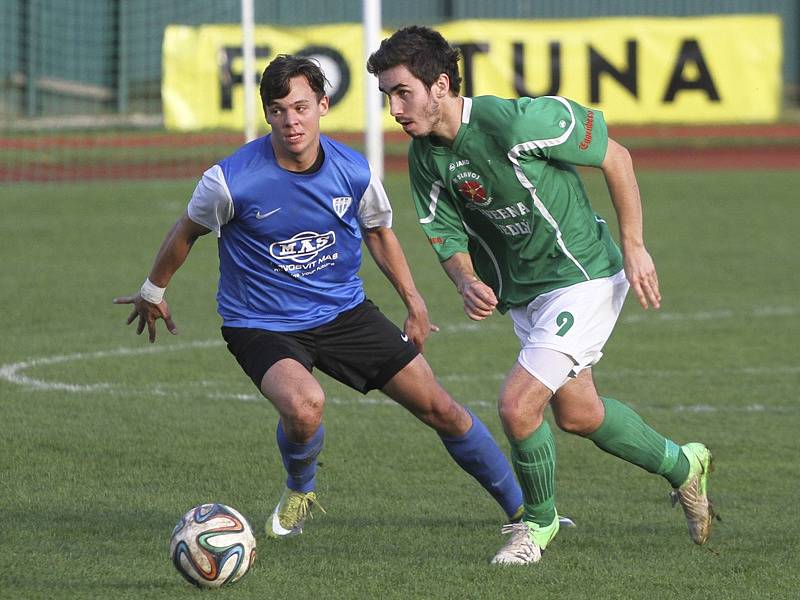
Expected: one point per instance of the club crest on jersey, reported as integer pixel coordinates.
(471, 189)
(303, 247)
(341, 204)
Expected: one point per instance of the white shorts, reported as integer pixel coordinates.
(575, 321)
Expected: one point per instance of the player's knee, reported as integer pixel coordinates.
(303, 412)
(511, 412)
(577, 423)
(444, 414)
(519, 412)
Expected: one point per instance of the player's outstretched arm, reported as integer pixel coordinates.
(149, 304)
(387, 253)
(639, 267)
(479, 298)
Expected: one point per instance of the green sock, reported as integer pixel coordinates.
(534, 461)
(624, 434)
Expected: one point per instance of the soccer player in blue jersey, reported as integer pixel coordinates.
(290, 211)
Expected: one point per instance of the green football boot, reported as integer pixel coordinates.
(693, 494)
(526, 544)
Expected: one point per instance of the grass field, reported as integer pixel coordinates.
(106, 441)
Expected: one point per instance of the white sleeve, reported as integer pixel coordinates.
(211, 204)
(374, 209)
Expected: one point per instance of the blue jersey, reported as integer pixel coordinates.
(289, 243)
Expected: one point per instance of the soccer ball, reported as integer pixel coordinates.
(212, 545)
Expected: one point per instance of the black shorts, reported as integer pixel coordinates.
(361, 348)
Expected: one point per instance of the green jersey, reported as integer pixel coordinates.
(507, 193)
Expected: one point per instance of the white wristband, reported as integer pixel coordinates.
(151, 292)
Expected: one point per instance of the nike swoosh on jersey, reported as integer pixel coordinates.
(404, 337)
(260, 215)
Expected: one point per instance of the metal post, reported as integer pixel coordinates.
(248, 76)
(373, 131)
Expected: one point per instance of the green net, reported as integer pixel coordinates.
(81, 90)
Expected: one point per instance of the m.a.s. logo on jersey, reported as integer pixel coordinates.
(302, 247)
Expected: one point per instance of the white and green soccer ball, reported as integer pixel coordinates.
(212, 545)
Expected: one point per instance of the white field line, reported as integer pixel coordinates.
(641, 373)
(712, 315)
(653, 317)
(679, 408)
(14, 372)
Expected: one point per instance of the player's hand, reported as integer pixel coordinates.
(641, 273)
(418, 327)
(148, 314)
(479, 299)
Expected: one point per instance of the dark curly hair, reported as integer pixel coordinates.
(275, 81)
(423, 51)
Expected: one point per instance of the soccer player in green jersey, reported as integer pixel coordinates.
(498, 196)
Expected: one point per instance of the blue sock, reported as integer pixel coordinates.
(300, 460)
(479, 455)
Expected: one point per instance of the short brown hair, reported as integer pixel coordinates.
(423, 51)
(275, 80)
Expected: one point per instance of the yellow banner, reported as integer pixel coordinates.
(720, 69)
(203, 72)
